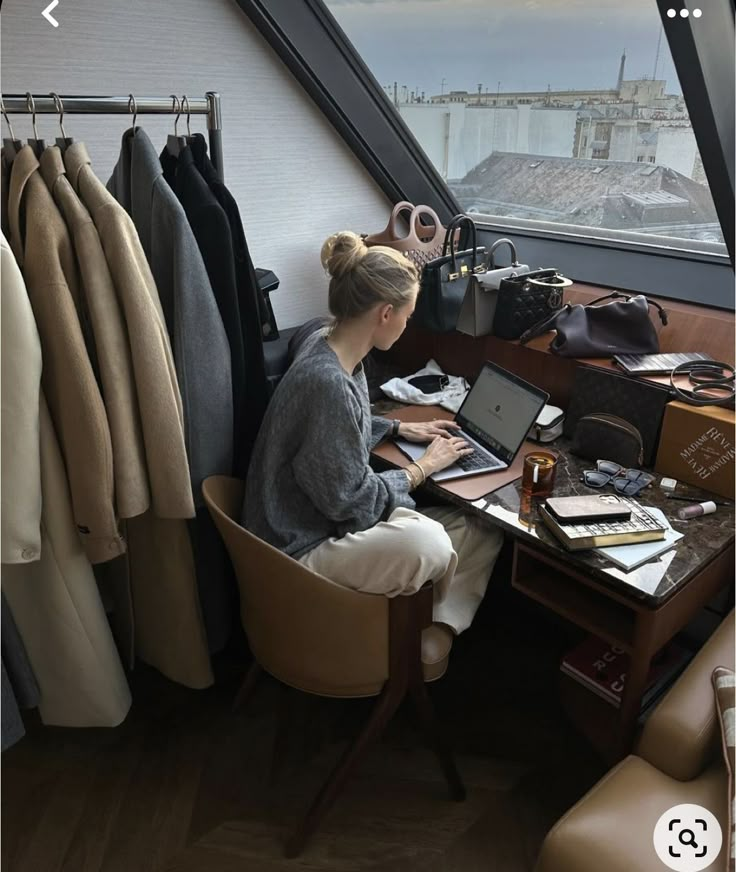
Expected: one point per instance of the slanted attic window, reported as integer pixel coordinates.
(519, 145)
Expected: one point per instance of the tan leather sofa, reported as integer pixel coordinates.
(678, 759)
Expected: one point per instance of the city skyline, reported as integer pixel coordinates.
(563, 44)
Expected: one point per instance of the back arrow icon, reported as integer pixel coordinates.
(47, 13)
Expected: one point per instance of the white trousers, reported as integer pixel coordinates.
(398, 556)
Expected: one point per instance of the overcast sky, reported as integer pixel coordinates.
(524, 44)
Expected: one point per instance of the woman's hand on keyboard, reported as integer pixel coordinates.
(442, 452)
(425, 431)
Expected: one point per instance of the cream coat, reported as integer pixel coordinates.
(21, 384)
(42, 248)
(54, 599)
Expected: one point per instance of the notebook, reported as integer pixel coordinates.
(652, 364)
(629, 557)
(498, 412)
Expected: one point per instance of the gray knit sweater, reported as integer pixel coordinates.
(309, 476)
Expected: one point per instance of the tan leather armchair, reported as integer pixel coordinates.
(316, 636)
(678, 760)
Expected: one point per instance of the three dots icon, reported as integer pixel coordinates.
(672, 13)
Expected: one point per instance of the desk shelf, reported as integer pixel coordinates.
(593, 717)
(585, 606)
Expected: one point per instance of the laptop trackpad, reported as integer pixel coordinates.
(415, 450)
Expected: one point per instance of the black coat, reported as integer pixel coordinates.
(255, 319)
(212, 231)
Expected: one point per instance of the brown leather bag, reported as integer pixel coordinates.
(422, 243)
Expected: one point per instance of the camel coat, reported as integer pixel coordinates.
(42, 248)
(168, 625)
(52, 594)
(110, 337)
(156, 386)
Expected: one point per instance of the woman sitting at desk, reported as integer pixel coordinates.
(311, 491)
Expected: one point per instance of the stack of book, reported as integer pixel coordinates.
(602, 667)
(595, 526)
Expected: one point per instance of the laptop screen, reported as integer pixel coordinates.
(499, 410)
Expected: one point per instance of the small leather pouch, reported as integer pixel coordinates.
(548, 425)
(599, 436)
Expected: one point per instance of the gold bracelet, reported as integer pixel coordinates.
(410, 476)
(421, 470)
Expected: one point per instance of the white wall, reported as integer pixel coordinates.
(477, 131)
(293, 177)
(677, 149)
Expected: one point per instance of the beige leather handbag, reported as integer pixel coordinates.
(422, 243)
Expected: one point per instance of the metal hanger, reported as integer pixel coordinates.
(132, 108)
(174, 142)
(62, 141)
(185, 102)
(38, 145)
(11, 146)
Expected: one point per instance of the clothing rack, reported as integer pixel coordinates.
(44, 104)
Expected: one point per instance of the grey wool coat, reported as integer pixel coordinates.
(198, 338)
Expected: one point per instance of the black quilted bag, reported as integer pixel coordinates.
(526, 299)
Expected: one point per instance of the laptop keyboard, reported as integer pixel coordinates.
(477, 460)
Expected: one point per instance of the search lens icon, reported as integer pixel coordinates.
(691, 843)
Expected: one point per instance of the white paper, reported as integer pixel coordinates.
(628, 557)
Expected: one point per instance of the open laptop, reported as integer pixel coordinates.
(495, 418)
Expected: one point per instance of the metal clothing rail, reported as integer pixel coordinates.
(44, 104)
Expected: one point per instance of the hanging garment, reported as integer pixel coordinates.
(157, 389)
(199, 343)
(52, 595)
(132, 495)
(19, 685)
(212, 231)
(217, 588)
(168, 627)
(42, 248)
(255, 321)
(20, 449)
(4, 185)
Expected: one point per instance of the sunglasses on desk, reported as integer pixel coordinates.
(628, 482)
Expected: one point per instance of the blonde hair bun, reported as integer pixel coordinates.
(342, 252)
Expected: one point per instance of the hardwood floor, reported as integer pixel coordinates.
(184, 785)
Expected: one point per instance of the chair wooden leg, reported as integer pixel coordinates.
(248, 686)
(431, 727)
(385, 706)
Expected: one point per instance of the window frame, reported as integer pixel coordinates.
(313, 46)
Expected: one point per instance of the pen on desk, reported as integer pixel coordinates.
(694, 499)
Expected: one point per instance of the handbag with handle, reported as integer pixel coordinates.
(621, 326)
(479, 305)
(525, 298)
(422, 242)
(445, 279)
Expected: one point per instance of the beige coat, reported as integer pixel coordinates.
(110, 336)
(21, 385)
(169, 633)
(52, 595)
(159, 400)
(42, 248)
